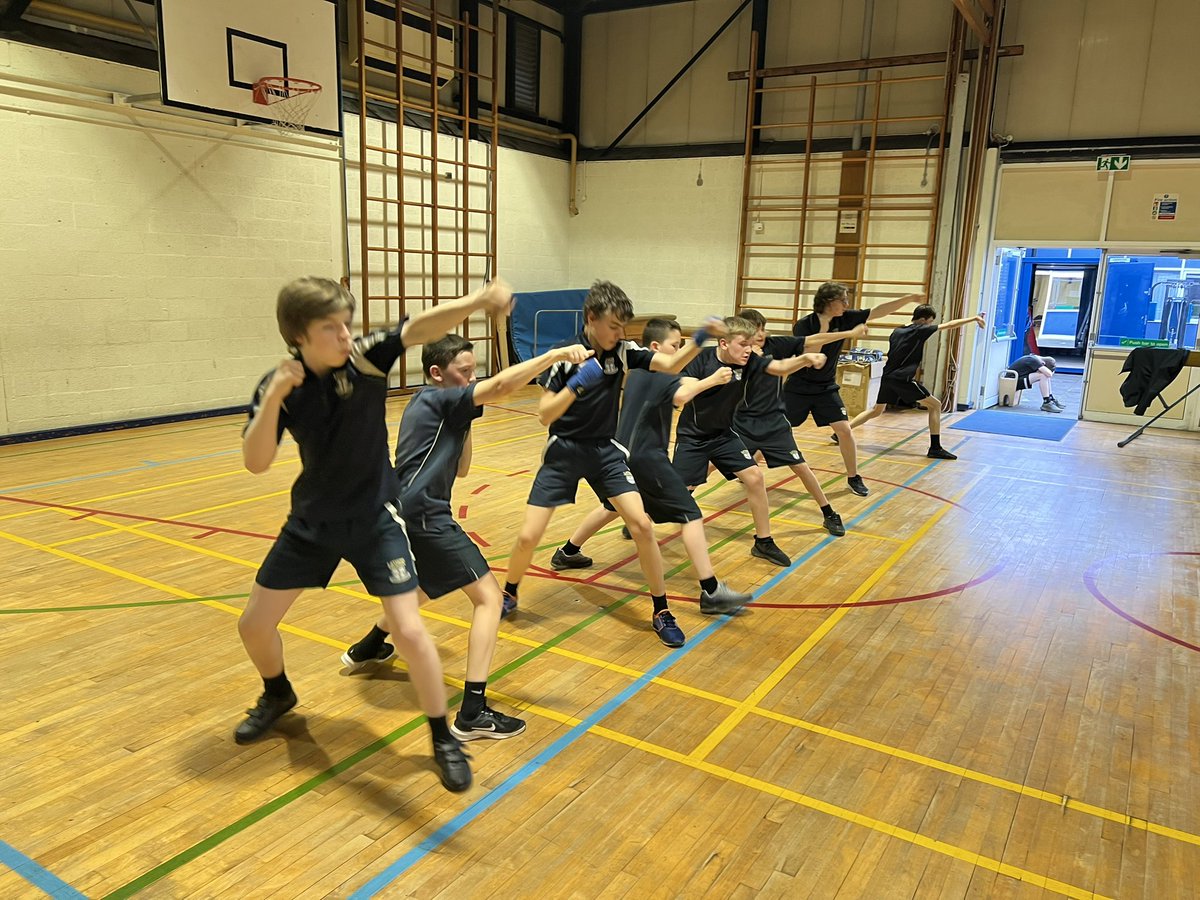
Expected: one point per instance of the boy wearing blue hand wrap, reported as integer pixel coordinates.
(580, 407)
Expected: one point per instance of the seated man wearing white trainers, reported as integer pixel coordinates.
(1038, 370)
(434, 446)
(644, 429)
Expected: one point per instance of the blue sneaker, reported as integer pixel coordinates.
(508, 605)
(666, 629)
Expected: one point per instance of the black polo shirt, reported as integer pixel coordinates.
(593, 415)
(764, 396)
(711, 413)
(433, 430)
(904, 350)
(338, 422)
(1026, 365)
(644, 426)
(813, 380)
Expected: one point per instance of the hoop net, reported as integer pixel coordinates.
(288, 101)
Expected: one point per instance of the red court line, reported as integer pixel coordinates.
(511, 474)
(522, 412)
(462, 512)
(1089, 580)
(890, 601)
(211, 529)
(672, 537)
(620, 588)
(895, 484)
(481, 489)
(475, 537)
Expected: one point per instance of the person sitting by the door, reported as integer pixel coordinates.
(1038, 370)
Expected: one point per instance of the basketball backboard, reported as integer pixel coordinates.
(212, 52)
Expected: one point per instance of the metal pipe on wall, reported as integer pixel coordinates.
(860, 100)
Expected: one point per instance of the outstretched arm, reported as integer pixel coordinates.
(890, 306)
(781, 367)
(814, 342)
(959, 323)
(713, 326)
(504, 383)
(495, 298)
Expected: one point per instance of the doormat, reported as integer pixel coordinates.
(1048, 427)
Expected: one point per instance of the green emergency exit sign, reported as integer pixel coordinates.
(1144, 342)
(1112, 162)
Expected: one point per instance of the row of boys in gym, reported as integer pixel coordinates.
(388, 519)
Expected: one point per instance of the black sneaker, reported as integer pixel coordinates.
(561, 560)
(666, 629)
(625, 533)
(452, 765)
(940, 453)
(833, 437)
(260, 719)
(355, 660)
(1057, 403)
(508, 605)
(488, 724)
(724, 601)
(770, 551)
(855, 483)
(1047, 406)
(833, 524)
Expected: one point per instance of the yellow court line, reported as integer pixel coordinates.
(1086, 808)
(511, 440)
(731, 721)
(796, 523)
(159, 586)
(476, 467)
(912, 837)
(138, 528)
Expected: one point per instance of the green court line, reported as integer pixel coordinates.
(234, 828)
(174, 601)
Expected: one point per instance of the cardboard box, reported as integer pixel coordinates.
(858, 384)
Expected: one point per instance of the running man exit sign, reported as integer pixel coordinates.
(1112, 162)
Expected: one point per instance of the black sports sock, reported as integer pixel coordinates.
(764, 540)
(279, 686)
(935, 442)
(441, 731)
(827, 510)
(708, 584)
(660, 603)
(474, 699)
(510, 589)
(570, 549)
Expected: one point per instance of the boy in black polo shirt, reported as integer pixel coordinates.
(815, 390)
(433, 448)
(899, 384)
(644, 428)
(763, 427)
(331, 396)
(705, 433)
(580, 406)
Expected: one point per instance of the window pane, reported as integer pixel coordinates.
(1151, 301)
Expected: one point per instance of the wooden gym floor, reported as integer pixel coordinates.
(989, 688)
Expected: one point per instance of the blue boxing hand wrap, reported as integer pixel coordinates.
(589, 374)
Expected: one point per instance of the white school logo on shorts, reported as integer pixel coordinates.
(795, 454)
(398, 571)
(629, 476)
(746, 453)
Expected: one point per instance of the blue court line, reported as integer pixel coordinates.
(149, 464)
(36, 875)
(480, 806)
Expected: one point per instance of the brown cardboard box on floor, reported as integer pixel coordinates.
(858, 384)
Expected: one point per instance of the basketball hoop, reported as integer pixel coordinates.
(288, 100)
